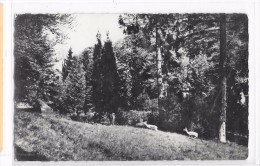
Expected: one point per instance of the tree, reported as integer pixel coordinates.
(67, 65)
(110, 78)
(33, 53)
(74, 86)
(222, 64)
(56, 96)
(97, 95)
(87, 60)
(237, 82)
(137, 71)
(105, 79)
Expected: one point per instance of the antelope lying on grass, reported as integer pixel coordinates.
(152, 127)
(191, 133)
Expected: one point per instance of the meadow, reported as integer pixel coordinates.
(52, 137)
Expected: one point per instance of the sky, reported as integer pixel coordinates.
(84, 32)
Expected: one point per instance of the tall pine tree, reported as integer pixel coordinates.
(74, 86)
(87, 61)
(67, 65)
(97, 95)
(105, 79)
(110, 78)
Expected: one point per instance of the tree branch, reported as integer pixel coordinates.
(204, 30)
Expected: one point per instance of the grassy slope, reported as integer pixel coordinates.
(48, 137)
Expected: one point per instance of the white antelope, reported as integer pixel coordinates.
(152, 127)
(191, 133)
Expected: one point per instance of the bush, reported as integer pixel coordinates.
(153, 117)
(169, 117)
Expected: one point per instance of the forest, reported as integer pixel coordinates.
(173, 71)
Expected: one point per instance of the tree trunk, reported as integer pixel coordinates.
(223, 83)
(160, 85)
(159, 71)
(159, 66)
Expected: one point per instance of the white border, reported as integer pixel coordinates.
(250, 7)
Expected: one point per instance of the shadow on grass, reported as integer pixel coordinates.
(22, 155)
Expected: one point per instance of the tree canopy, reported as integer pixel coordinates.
(34, 38)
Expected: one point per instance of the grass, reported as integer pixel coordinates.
(55, 138)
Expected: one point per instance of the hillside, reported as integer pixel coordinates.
(51, 137)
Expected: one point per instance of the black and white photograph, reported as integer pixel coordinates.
(130, 86)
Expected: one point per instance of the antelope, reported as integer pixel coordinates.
(191, 133)
(152, 127)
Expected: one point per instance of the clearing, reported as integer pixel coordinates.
(50, 137)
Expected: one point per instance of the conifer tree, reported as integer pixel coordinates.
(110, 78)
(74, 86)
(87, 61)
(105, 79)
(66, 66)
(97, 77)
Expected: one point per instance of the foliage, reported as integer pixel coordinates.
(73, 89)
(67, 65)
(97, 77)
(105, 79)
(87, 60)
(55, 100)
(190, 52)
(137, 71)
(238, 74)
(110, 79)
(33, 52)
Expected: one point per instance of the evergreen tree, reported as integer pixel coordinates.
(105, 79)
(87, 61)
(66, 66)
(74, 86)
(97, 94)
(110, 78)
